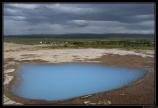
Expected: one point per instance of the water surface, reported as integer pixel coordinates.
(64, 81)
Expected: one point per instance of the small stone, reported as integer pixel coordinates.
(9, 70)
(19, 103)
(86, 96)
(92, 103)
(109, 102)
(86, 102)
(9, 102)
(5, 99)
(7, 79)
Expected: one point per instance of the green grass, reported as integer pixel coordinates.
(127, 43)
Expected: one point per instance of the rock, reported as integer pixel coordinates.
(9, 71)
(86, 96)
(8, 101)
(86, 102)
(92, 103)
(104, 102)
(7, 79)
(109, 102)
(5, 99)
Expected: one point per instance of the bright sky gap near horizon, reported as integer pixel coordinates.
(64, 18)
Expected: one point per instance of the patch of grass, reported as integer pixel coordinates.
(84, 43)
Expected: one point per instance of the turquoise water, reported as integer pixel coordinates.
(64, 81)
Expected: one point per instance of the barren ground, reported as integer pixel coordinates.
(139, 92)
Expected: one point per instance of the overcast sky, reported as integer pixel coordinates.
(61, 18)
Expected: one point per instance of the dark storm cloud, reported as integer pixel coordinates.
(78, 18)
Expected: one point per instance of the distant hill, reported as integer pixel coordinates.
(85, 36)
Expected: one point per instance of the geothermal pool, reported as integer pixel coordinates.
(64, 81)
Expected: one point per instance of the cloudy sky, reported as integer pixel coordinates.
(61, 18)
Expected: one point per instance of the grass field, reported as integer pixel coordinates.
(80, 42)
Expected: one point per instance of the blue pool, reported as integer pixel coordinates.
(64, 81)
